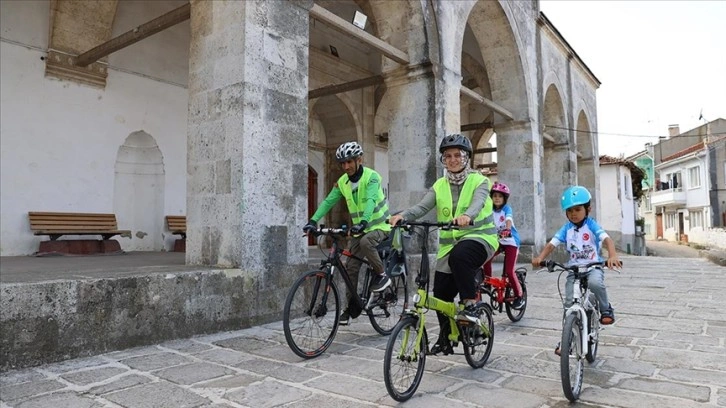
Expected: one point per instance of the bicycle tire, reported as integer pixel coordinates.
(403, 366)
(593, 330)
(477, 346)
(516, 315)
(571, 359)
(309, 334)
(386, 310)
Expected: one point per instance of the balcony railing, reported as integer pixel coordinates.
(668, 197)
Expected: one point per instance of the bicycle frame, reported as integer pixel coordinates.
(580, 297)
(423, 302)
(580, 308)
(334, 261)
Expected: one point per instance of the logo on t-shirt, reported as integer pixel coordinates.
(586, 236)
(501, 218)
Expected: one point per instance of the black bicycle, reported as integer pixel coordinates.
(312, 308)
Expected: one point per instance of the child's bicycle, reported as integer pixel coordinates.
(312, 309)
(501, 293)
(408, 345)
(580, 328)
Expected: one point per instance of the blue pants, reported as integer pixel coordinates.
(596, 283)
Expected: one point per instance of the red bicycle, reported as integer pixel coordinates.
(501, 293)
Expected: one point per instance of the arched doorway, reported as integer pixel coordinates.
(138, 198)
(558, 167)
(312, 196)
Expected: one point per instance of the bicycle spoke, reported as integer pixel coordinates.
(404, 359)
(311, 315)
(388, 305)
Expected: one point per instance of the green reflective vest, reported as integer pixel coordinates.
(356, 208)
(483, 227)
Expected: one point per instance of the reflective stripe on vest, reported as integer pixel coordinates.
(380, 212)
(483, 223)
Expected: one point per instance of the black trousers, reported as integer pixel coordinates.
(465, 259)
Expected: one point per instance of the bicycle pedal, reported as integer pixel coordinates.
(439, 349)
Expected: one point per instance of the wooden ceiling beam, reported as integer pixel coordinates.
(476, 126)
(347, 28)
(145, 30)
(345, 87)
(487, 102)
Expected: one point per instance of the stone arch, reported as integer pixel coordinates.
(492, 26)
(587, 160)
(492, 65)
(338, 122)
(139, 185)
(558, 167)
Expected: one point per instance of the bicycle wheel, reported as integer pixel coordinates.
(311, 315)
(593, 330)
(478, 341)
(571, 359)
(388, 305)
(404, 360)
(516, 315)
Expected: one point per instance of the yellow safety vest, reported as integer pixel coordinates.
(356, 208)
(483, 223)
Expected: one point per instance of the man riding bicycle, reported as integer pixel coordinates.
(361, 188)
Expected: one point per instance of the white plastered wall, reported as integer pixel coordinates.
(60, 140)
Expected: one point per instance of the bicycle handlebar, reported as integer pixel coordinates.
(442, 225)
(322, 230)
(551, 265)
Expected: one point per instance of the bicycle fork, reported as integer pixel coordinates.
(577, 308)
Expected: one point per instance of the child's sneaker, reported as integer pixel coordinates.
(518, 303)
(344, 318)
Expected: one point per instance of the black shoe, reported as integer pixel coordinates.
(518, 303)
(344, 318)
(439, 348)
(469, 314)
(380, 282)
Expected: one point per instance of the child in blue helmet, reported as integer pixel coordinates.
(583, 238)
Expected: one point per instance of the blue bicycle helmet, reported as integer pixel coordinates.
(575, 195)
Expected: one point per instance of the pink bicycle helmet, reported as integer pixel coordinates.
(500, 188)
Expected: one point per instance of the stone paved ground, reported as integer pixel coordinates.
(667, 349)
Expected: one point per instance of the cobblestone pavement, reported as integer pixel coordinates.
(666, 349)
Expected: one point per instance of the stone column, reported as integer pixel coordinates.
(247, 138)
(518, 142)
(414, 134)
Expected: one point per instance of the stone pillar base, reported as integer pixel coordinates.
(180, 245)
(79, 247)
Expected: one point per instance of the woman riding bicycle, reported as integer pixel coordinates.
(460, 197)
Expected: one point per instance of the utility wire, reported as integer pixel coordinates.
(624, 135)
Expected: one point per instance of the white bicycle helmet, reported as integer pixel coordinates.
(348, 150)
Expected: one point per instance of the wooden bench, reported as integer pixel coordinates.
(177, 225)
(57, 224)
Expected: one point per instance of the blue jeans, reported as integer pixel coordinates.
(596, 283)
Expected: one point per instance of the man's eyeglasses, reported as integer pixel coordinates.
(454, 156)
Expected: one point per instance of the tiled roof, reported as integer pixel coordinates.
(696, 147)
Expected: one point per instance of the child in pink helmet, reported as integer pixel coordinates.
(508, 239)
